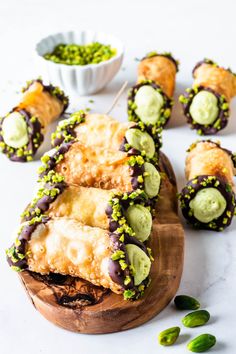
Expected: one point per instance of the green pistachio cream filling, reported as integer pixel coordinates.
(141, 141)
(15, 131)
(204, 108)
(148, 104)
(140, 220)
(152, 180)
(208, 204)
(139, 262)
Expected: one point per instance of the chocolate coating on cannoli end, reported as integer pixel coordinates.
(53, 160)
(115, 271)
(208, 129)
(205, 181)
(43, 203)
(165, 111)
(166, 55)
(16, 255)
(35, 137)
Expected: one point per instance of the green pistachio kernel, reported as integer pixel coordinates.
(196, 318)
(169, 336)
(201, 343)
(185, 302)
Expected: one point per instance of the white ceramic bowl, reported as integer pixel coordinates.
(76, 79)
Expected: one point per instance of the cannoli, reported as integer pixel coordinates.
(101, 168)
(110, 210)
(100, 130)
(208, 199)
(65, 246)
(150, 101)
(206, 104)
(22, 130)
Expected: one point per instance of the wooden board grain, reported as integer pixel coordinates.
(79, 306)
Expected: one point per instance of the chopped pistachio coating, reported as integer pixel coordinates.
(169, 336)
(74, 54)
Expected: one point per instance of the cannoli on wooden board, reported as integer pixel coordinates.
(129, 213)
(150, 101)
(208, 199)
(65, 246)
(101, 168)
(100, 130)
(206, 104)
(22, 130)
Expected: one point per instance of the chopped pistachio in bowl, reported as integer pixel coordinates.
(81, 62)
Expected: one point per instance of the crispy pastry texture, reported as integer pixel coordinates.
(41, 104)
(208, 158)
(100, 168)
(159, 69)
(217, 78)
(65, 246)
(86, 205)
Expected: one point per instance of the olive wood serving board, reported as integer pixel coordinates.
(79, 306)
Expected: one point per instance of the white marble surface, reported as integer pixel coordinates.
(191, 30)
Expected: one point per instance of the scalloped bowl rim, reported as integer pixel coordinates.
(118, 56)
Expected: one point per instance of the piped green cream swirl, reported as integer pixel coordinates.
(140, 263)
(149, 103)
(15, 131)
(204, 108)
(141, 141)
(140, 220)
(208, 204)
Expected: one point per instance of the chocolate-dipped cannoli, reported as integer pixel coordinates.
(150, 101)
(208, 199)
(101, 168)
(22, 130)
(128, 213)
(206, 104)
(65, 246)
(100, 130)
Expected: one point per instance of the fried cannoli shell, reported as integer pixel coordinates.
(100, 168)
(65, 246)
(209, 158)
(160, 69)
(100, 130)
(39, 101)
(39, 106)
(216, 78)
